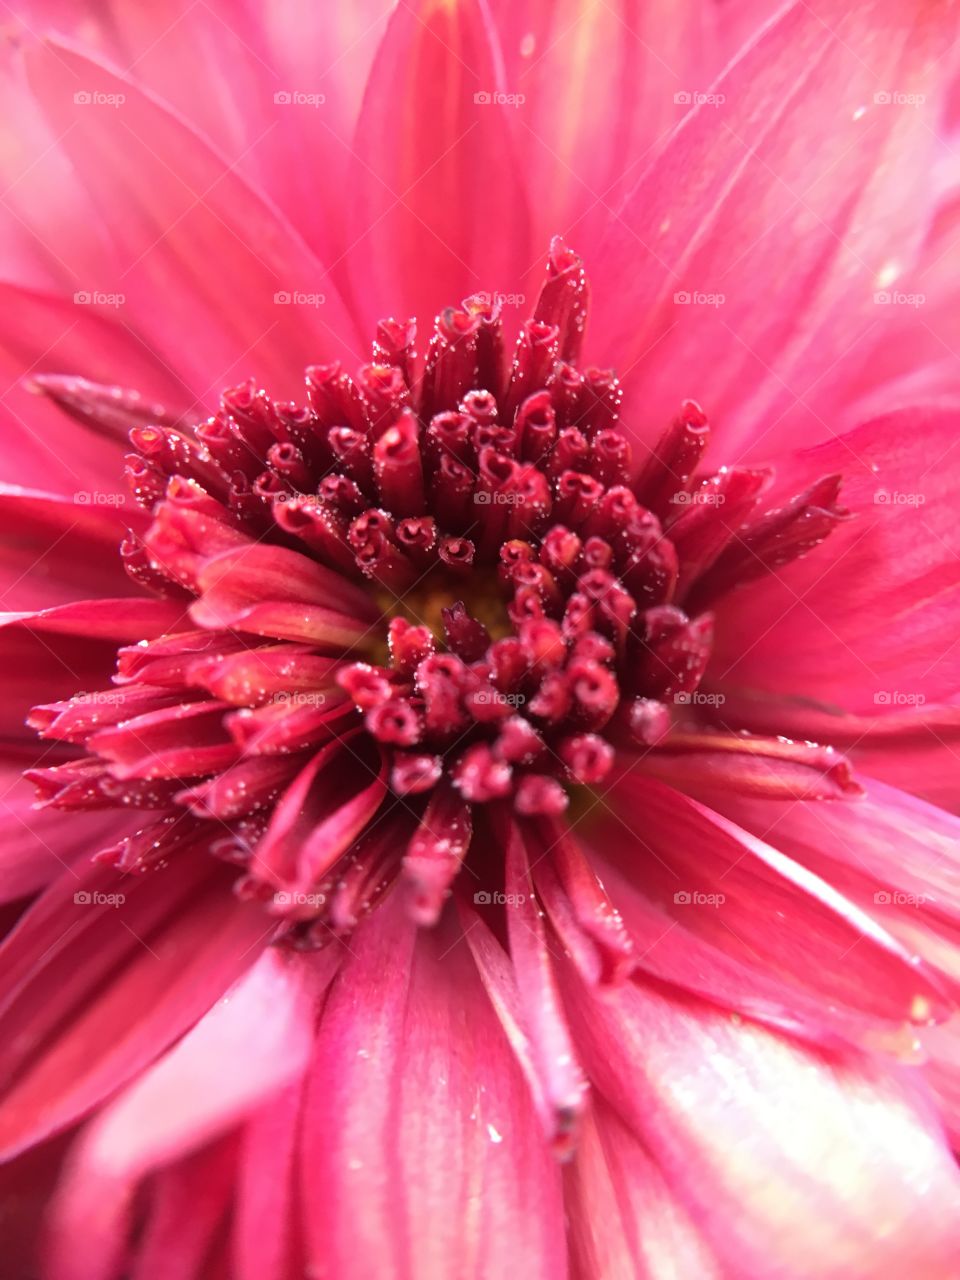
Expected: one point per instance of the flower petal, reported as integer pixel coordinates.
(703, 879)
(624, 1220)
(868, 622)
(43, 448)
(413, 1075)
(586, 137)
(37, 668)
(267, 1192)
(441, 205)
(739, 198)
(184, 223)
(253, 1042)
(53, 550)
(894, 855)
(121, 981)
(793, 1163)
(37, 845)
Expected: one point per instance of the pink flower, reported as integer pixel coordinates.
(478, 827)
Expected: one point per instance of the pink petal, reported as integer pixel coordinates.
(37, 845)
(941, 1047)
(188, 1214)
(180, 216)
(26, 1187)
(710, 881)
(912, 746)
(41, 333)
(252, 1042)
(80, 1017)
(553, 1052)
(893, 854)
(739, 198)
(349, 36)
(53, 550)
(256, 573)
(318, 817)
(267, 1192)
(180, 1231)
(792, 1163)
(580, 910)
(413, 1075)
(624, 1219)
(37, 668)
(586, 139)
(440, 206)
(131, 619)
(866, 623)
(250, 1045)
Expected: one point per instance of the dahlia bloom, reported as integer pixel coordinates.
(479, 789)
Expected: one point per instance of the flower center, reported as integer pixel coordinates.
(439, 585)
